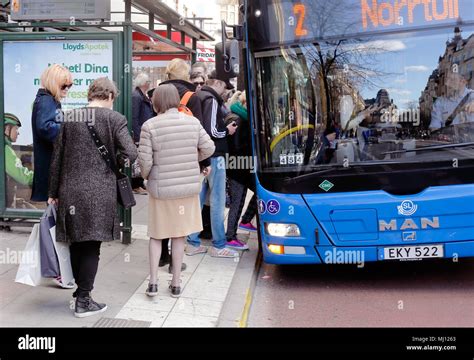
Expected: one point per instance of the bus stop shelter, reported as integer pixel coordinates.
(91, 49)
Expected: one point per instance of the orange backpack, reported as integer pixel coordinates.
(183, 108)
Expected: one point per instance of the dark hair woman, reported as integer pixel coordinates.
(84, 187)
(171, 146)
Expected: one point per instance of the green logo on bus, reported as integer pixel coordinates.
(326, 185)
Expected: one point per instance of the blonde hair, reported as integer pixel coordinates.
(178, 69)
(165, 97)
(54, 77)
(234, 99)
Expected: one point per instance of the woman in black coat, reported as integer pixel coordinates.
(84, 187)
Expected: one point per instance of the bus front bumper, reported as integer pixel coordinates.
(354, 255)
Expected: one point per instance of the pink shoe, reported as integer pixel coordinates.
(237, 244)
(247, 227)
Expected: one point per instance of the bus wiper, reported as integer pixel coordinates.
(432, 147)
(333, 168)
(311, 174)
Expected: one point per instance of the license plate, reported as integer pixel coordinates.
(413, 252)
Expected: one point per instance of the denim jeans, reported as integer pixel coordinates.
(215, 185)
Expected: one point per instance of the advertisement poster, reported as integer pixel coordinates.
(24, 62)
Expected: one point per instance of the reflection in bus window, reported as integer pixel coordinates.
(362, 101)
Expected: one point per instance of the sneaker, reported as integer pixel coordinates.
(237, 244)
(152, 290)
(183, 267)
(193, 250)
(58, 281)
(247, 227)
(175, 291)
(223, 253)
(85, 307)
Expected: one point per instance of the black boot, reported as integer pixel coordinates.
(165, 258)
(86, 306)
(183, 267)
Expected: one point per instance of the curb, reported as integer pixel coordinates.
(238, 301)
(250, 291)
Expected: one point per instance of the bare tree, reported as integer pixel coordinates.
(337, 51)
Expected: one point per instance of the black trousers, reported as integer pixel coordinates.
(85, 261)
(238, 194)
(165, 255)
(138, 182)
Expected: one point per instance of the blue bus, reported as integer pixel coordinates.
(363, 121)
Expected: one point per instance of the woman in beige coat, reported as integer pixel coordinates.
(171, 146)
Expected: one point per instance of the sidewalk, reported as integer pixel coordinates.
(121, 283)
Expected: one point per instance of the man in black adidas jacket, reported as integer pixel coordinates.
(213, 121)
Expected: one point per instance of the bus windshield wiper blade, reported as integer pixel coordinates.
(336, 167)
(432, 147)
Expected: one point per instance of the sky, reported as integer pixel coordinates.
(202, 8)
(410, 58)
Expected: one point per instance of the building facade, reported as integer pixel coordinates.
(458, 57)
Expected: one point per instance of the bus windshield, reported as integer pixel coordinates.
(398, 98)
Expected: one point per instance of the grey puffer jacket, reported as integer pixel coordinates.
(171, 146)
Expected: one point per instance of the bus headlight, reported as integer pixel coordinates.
(282, 230)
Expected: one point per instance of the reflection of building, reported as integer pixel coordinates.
(383, 101)
(229, 11)
(340, 84)
(428, 97)
(218, 10)
(458, 57)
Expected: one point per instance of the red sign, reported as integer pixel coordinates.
(206, 55)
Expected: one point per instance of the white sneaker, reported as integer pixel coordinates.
(58, 282)
(193, 250)
(223, 253)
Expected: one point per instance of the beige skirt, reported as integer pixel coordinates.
(174, 218)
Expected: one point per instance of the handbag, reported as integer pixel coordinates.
(124, 188)
(48, 257)
(29, 271)
(63, 254)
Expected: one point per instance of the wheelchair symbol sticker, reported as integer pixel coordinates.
(262, 208)
(273, 207)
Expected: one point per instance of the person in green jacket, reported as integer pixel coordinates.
(13, 163)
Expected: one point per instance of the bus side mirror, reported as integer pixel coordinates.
(228, 59)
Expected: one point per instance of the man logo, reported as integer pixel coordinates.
(409, 236)
(407, 208)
